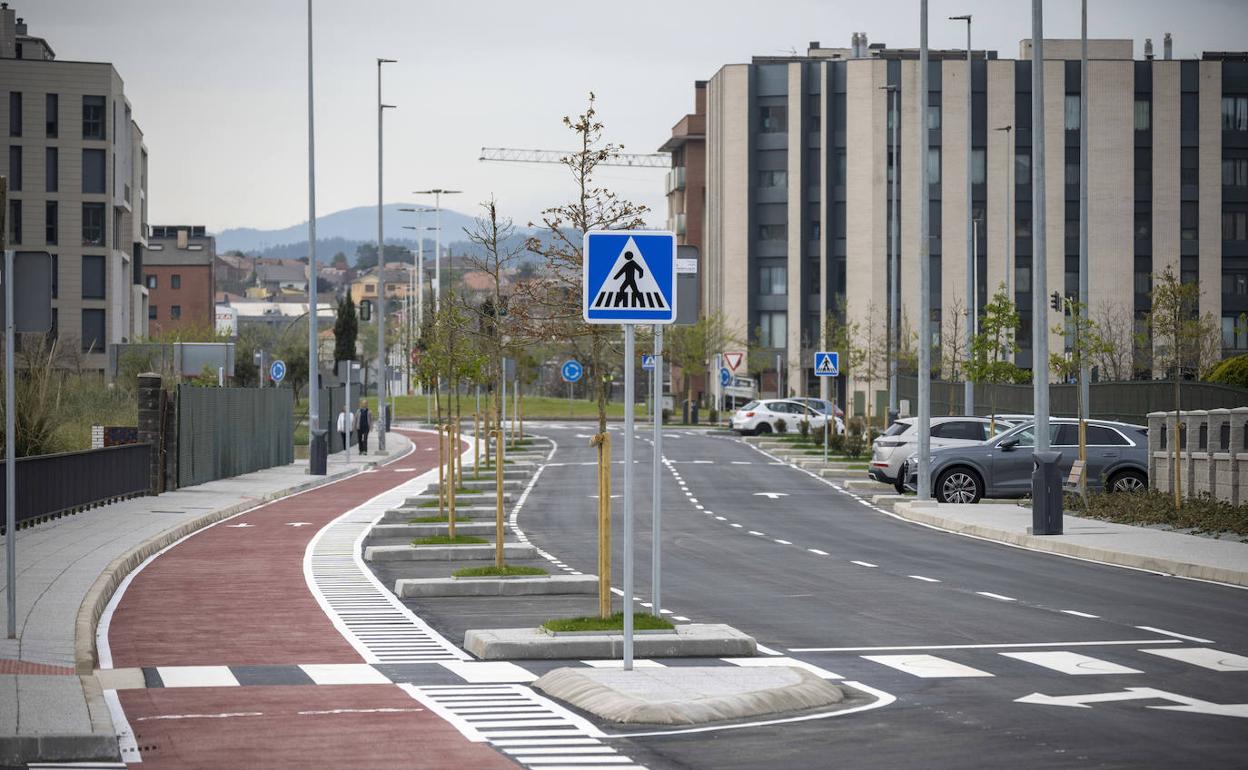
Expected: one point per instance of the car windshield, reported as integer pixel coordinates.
(751, 405)
(897, 428)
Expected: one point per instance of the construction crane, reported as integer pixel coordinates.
(652, 160)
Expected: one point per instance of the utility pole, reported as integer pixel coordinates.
(894, 265)
(924, 491)
(972, 290)
(383, 376)
(317, 448)
(437, 194)
(1039, 257)
(1084, 368)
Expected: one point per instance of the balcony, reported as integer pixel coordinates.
(679, 221)
(675, 179)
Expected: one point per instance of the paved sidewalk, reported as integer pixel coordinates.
(1193, 556)
(51, 705)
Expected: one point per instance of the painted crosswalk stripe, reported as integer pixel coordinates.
(552, 750)
(344, 673)
(1070, 662)
(1205, 657)
(487, 672)
(198, 676)
(782, 661)
(926, 666)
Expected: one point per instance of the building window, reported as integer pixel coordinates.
(1022, 168)
(773, 232)
(772, 330)
(933, 165)
(153, 313)
(93, 330)
(56, 277)
(93, 276)
(1235, 172)
(1235, 284)
(838, 168)
(1143, 282)
(773, 120)
(51, 115)
(773, 178)
(15, 167)
(15, 113)
(151, 281)
(175, 281)
(813, 109)
(94, 165)
(175, 311)
(1072, 173)
(1235, 113)
(1234, 332)
(1143, 225)
(93, 117)
(93, 224)
(773, 281)
(979, 166)
(51, 169)
(15, 222)
(1143, 115)
(51, 222)
(816, 230)
(1022, 228)
(1235, 225)
(933, 116)
(1072, 112)
(1189, 168)
(1189, 221)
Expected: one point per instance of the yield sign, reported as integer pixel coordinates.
(733, 360)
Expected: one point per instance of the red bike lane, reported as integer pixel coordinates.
(234, 595)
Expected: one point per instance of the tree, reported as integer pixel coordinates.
(1083, 342)
(869, 357)
(1232, 371)
(554, 310)
(346, 329)
(1181, 345)
(1116, 356)
(993, 348)
(951, 342)
(340, 260)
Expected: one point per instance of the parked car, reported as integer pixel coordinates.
(1117, 460)
(765, 416)
(821, 405)
(899, 441)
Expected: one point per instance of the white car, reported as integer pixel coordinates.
(766, 415)
(901, 440)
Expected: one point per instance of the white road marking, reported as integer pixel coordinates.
(1079, 614)
(998, 597)
(924, 579)
(782, 661)
(771, 495)
(344, 673)
(488, 672)
(742, 462)
(757, 533)
(1010, 646)
(1164, 632)
(1214, 660)
(125, 734)
(547, 742)
(766, 650)
(1070, 662)
(638, 663)
(1186, 703)
(734, 524)
(720, 518)
(244, 525)
(783, 542)
(521, 752)
(297, 524)
(681, 618)
(926, 666)
(817, 552)
(198, 676)
(864, 564)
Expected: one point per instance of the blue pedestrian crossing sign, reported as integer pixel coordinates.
(571, 370)
(725, 376)
(629, 277)
(277, 371)
(647, 361)
(827, 364)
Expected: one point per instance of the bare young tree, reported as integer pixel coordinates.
(951, 342)
(1115, 326)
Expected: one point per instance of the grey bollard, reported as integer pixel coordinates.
(318, 453)
(1046, 494)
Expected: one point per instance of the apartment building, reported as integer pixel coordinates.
(178, 275)
(798, 165)
(77, 174)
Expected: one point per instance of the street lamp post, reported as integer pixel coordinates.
(437, 194)
(317, 449)
(1084, 368)
(1009, 194)
(416, 282)
(1039, 255)
(924, 491)
(894, 266)
(383, 375)
(972, 290)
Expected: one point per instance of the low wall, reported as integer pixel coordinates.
(1213, 452)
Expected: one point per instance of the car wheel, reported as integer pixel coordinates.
(762, 428)
(899, 485)
(959, 485)
(1128, 481)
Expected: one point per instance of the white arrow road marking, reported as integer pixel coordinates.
(298, 524)
(240, 526)
(1192, 705)
(772, 495)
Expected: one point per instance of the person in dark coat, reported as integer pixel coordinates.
(362, 426)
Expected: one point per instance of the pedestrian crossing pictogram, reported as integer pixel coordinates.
(827, 364)
(629, 277)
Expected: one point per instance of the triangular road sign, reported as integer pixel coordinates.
(630, 284)
(733, 360)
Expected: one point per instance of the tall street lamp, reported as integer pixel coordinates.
(924, 491)
(972, 291)
(317, 449)
(894, 267)
(1039, 242)
(383, 375)
(1085, 369)
(437, 194)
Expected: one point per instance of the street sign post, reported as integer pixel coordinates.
(630, 278)
(277, 371)
(647, 363)
(346, 370)
(827, 363)
(571, 371)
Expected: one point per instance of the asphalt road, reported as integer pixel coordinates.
(815, 574)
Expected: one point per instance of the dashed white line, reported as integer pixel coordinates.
(864, 563)
(817, 552)
(924, 579)
(1079, 614)
(998, 597)
(783, 542)
(720, 518)
(756, 532)
(734, 524)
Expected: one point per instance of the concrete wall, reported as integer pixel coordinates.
(728, 193)
(1210, 463)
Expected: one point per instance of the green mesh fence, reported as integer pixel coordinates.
(224, 432)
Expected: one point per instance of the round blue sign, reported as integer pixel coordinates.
(572, 370)
(277, 370)
(725, 376)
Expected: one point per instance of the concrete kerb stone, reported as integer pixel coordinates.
(697, 640)
(925, 515)
(533, 585)
(689, 695)
(392, 553)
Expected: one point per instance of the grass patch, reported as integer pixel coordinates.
(1203, 514)
(641, 622)
(437, 519)
(448, 540)
(535, 408)
(507, 570)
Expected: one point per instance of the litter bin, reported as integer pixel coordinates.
(386, 411)
(318, 453)
(1046, 494)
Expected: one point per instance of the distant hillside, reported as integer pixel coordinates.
(355, 225)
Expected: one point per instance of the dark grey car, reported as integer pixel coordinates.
(1117, 460)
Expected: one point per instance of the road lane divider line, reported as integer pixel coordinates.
(1079, 614)
(924, 579)
(1176, 635)
(864, 564)
(1003, 646)
(998, 597)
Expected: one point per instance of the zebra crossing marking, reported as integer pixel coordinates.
(1070, 662)
(927, 666)
(1205, 657)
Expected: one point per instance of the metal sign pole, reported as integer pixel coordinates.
(347, 441)
(656, 494)
(629, 343)
(10, 449)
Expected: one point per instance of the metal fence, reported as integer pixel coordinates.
(224, 432)
(1125, 401)
(52, 485)
(332, 399)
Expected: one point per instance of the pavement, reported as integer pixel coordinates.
(67, 570)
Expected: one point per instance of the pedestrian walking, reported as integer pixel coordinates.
(346, 421)
(364, 424)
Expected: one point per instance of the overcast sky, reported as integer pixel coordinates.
(218, 86)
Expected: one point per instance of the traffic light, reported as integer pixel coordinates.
(366, 310)
(1055, 301)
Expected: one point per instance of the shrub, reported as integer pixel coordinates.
(836, 443)
(782, 426)
(803, 427)
(714, 415)
(1232, 371)
(855, 426)
(855, 444)
(1202, 514)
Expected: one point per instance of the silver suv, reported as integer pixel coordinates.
(1001, 468)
